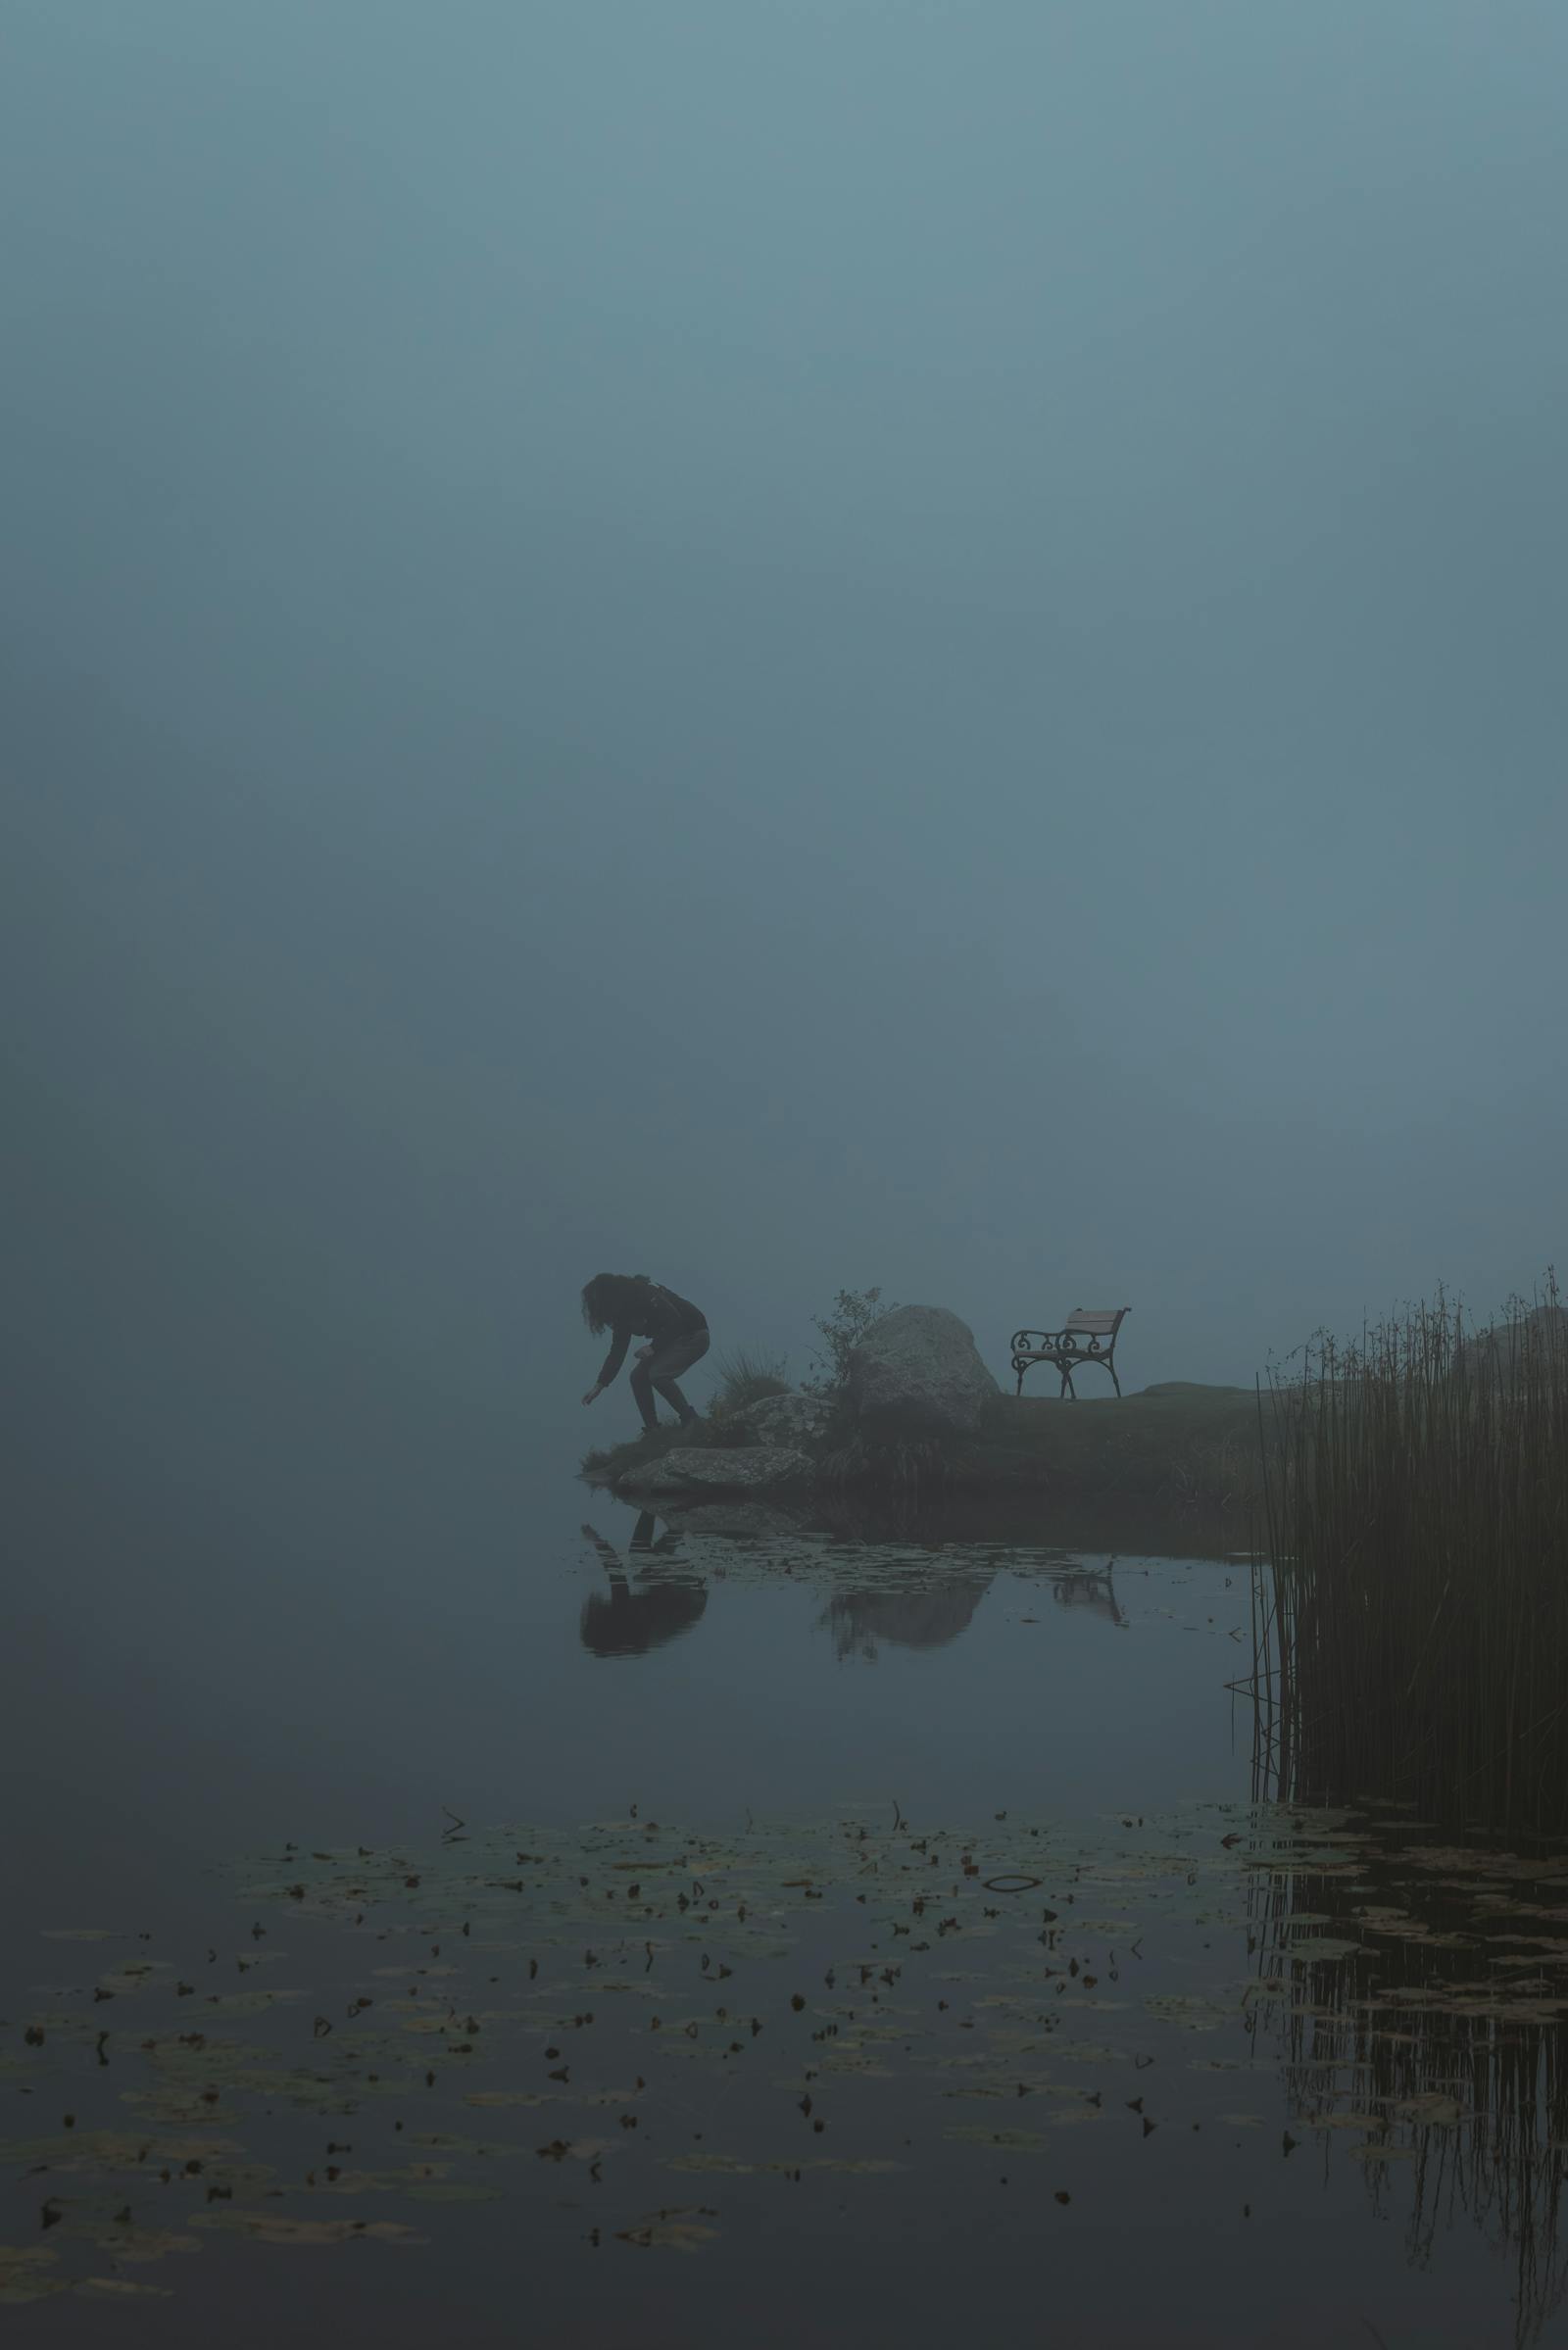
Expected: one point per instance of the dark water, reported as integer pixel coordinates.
(412, 1795)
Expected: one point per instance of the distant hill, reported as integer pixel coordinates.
(1503, 1349)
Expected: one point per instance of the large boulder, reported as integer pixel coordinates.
(715, 1469)
(793, 1419)
(917, 1372)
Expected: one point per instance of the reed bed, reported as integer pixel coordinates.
(1415, 1626)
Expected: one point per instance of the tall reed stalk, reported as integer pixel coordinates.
(1417, 1512)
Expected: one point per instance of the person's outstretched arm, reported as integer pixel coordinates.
(612, 1364)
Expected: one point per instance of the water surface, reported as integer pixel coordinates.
(534, 1916)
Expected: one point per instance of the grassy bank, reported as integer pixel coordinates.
(1176, 1445)
(1418, 1515)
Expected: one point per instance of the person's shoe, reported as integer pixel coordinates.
(689, 1419)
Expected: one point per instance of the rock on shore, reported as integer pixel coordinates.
(794, 1419)
(716, 1469)
(918, 1371)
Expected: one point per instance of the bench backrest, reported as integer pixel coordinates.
(1096, 1321)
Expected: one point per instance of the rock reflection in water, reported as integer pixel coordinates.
(661, 1599)
(936, 1608)
(907, 1594)
(926, 1616)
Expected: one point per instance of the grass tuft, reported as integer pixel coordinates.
(745, 1379)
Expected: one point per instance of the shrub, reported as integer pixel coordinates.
(853, 1312)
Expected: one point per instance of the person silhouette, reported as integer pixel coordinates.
(629, 1306)
(636, 1616)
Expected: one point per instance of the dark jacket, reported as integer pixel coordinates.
(664, 1318)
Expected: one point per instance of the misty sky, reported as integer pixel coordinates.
(789, 643)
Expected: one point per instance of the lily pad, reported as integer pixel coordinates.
(671, 2232)
(279, 2228)
(454, 2191)
(120, 2289)
(29, 2272)
(1006, 2141)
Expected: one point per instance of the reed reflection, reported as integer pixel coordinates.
(1416, 1992)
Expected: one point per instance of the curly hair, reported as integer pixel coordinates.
(613, 1297)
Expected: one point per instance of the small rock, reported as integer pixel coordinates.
(716, 1469)
(793, 1420)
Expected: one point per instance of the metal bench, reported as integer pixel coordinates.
(1088, 1336)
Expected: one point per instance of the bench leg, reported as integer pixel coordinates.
(1068, 1388)
(1114, 1380)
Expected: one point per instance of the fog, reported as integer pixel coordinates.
(789, 646)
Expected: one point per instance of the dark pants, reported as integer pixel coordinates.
(660, 1371)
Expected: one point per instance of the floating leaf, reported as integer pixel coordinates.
(1188, 2010)
(669, 2231)
(1433, 2110)
(1007, 2141)
(277, 2228)
(120, 2289)
(29, 2272)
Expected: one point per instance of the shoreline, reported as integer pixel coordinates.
(1177, 1445)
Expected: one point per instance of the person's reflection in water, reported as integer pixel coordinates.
(926, 1616)
(657, 1606)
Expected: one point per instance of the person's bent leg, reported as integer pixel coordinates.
(642, 1387)
(677, 1402)
(672, 1359)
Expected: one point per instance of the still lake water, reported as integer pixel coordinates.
(456, 1908)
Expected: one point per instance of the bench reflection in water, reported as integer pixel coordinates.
(1091, 1587)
